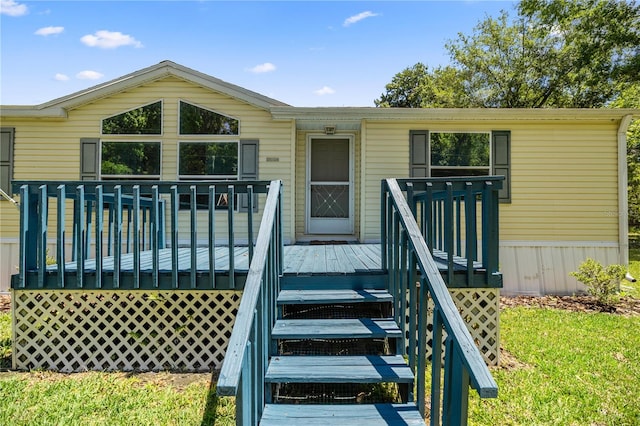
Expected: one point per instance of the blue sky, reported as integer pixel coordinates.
(299, 52)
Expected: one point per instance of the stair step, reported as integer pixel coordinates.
(318, 297)
(363, 414)
(363, 328)
(339, 369)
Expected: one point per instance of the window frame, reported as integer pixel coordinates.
(136, 134)
(131, 177)
(208, 135)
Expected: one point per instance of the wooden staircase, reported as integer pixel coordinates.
(332, 347)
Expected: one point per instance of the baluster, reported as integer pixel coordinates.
(448, 230)
(89, 218)
(194, 236)
(61, 232)
(80, 237)
(174, 236)
(136, 235)
(458, 202)
(413, 305)
(429, 211)
(436, 366)
(470, 231)
(212, 236)
(99, 235)
(423, 302)
(154, 225)
(250, 221)
(43, 210)
(384, 226)
(117, 235)
(231, 230)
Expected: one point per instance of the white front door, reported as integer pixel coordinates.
(329, 185)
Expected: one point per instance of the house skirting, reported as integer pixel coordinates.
(72, 330)
(537, 268)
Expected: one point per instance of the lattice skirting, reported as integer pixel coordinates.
(480, 309)
(71, 331)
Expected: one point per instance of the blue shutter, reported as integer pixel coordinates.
(248, 165)
(501, 164)
(89, 150)
(419, 153)
(6, 159)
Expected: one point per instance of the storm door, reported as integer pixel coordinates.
(329, 186)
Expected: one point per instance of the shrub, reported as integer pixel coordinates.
(602, 283)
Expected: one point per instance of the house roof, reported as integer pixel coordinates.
(58, 108)
(347, 117)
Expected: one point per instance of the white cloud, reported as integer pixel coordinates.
(359, 17)
(47, 31)
(11, 8)
(262, 68)
(109, 40)
(89, 75)
(326, 90)
(61, 77)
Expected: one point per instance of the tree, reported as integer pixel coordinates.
(555, 53)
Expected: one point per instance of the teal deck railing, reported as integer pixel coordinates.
(129, 234)
(458, 218)
(247, 356)
(414, 278)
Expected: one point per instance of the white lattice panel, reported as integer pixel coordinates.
(480, 310)
(70, 331)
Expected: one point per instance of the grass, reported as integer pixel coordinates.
(572, 368)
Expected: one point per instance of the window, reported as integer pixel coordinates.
(6, 159)
(217, 160)
(459, 154)
(210, 160)
(445, 154)
(146, 120)
(130, 160)
(195, 120)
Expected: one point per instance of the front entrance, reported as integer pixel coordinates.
(329, 199)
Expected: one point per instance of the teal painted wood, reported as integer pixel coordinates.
(362, 328)
(117, 235)
(156, 238)
(347, 415)
(250, 221)
(332, 296)
(43, 208)
(212, 235)
(436, 365)
(194, 236)
(136, 236)
(174, 235)
(238, 377)
(24, 235)
(80, 230)
(421, 388)
(231, 229)
(467, 357)
(99, 234)
(470, 230)
(60, 234)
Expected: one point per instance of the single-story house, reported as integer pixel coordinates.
(564, 197)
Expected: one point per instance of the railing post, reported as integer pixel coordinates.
(212, 236)
(384, 225)
(99, 234)
(448, 231)
(80, 235)
(43, 212)
(154, 226)
(490, 223)
(194, 236)
(117, 234)
(231, 230)
(61, 232)
(136, 236)
(174, 236)
(471, 233)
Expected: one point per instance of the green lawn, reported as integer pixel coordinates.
(570, 368)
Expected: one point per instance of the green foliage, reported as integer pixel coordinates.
(554, 53)
(146, 120)
(602, 283)
(199, 121)
(5, 340)
(130, 158)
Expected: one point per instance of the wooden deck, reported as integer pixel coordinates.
(310, 263)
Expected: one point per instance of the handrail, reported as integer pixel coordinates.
(114, 218)
(247, 355)
(409, 261)
(8, 198)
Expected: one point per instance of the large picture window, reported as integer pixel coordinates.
(210, 160)
(145, 120)
(459, 154)
(130, 160)
(195, 120)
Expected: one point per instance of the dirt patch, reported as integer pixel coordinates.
(627, 306)
(5, 303)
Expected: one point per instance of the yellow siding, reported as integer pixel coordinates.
(50, 150)
(564, 177)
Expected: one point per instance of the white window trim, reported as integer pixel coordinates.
(131, 109)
